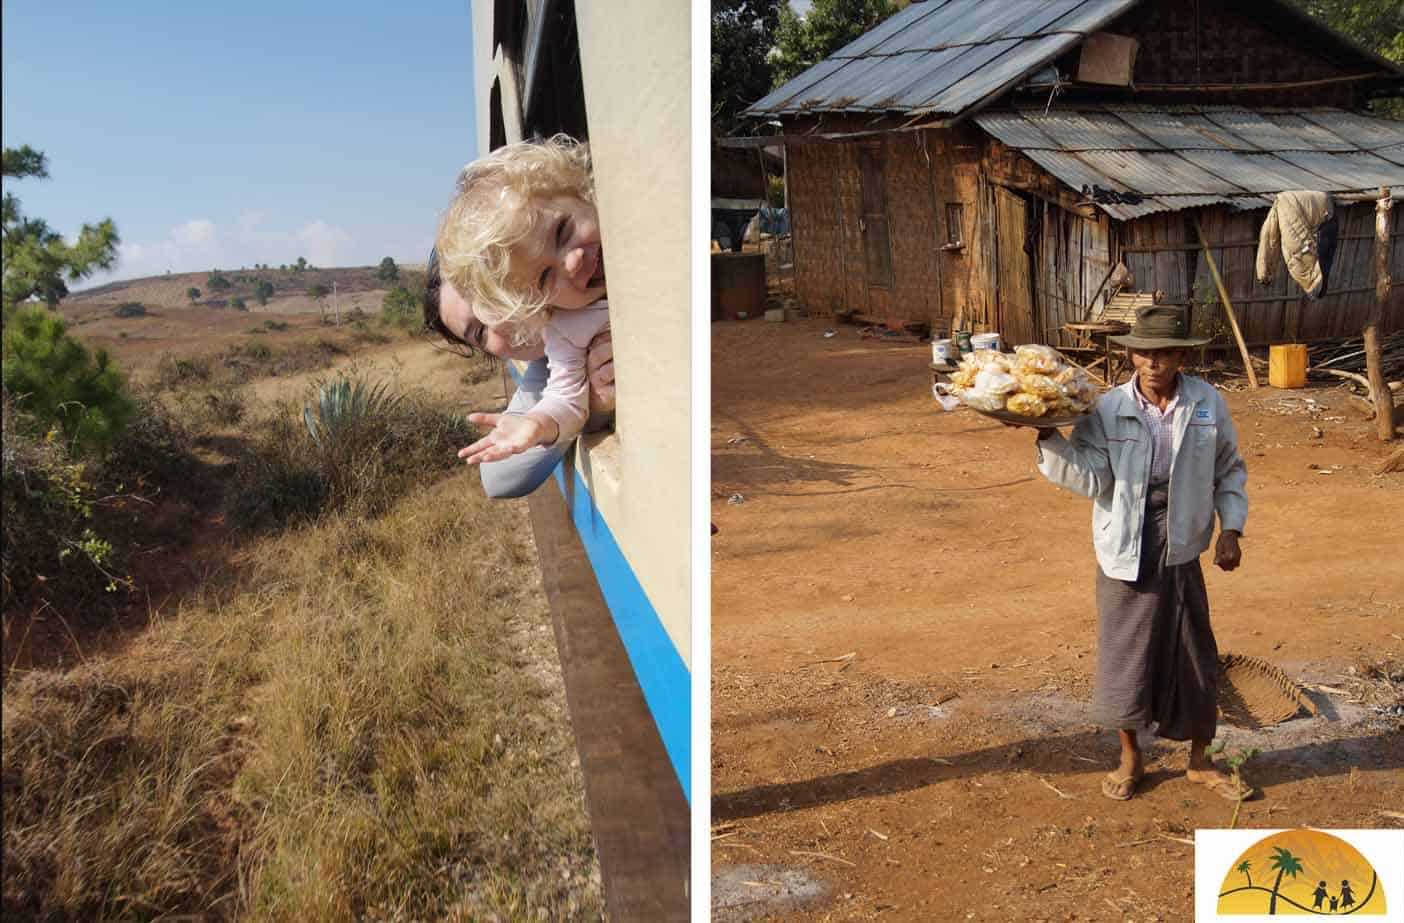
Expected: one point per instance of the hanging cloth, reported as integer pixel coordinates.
(1302, 225)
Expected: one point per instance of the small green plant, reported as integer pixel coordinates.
(1235, 761)
(275, 325)
(344, 404)
(238, 304)
(129, 309)
(263, 291)
(217, 282)
(193, 294)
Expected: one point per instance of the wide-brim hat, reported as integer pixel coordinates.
(1160, 327)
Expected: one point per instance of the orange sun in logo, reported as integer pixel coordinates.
(1302, 872)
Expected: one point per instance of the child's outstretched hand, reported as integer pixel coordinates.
(511, 434)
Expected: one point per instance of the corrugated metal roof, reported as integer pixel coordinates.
(941, 57)
(1179, 157)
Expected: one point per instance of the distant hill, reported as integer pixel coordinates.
(356, 286)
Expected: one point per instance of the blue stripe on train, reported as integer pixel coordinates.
(663, 677)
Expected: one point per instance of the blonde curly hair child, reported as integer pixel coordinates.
(490, 218)
(521, 242)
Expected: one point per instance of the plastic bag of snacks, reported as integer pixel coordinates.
(1034, 382)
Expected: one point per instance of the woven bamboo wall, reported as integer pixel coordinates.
(1207, 42)
(814, 222)
(921, 173)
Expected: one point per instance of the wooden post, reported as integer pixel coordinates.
(1379, 391)
(1228, 307)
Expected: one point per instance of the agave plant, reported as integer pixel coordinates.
(343, 403)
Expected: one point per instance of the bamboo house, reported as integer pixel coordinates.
(988, 164)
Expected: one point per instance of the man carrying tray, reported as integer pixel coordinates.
(1159, 457)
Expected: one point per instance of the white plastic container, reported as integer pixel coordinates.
(941, 351)
(985, 341)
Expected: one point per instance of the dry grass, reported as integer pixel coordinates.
(353, 734)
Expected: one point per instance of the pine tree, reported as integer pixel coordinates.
(38, 262)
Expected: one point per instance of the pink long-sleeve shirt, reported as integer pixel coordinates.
(566, 399)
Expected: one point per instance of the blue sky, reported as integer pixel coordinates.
(223, 135)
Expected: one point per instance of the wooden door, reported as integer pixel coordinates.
(877, 249)
(1014, 270)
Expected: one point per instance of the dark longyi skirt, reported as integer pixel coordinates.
(1157, 662)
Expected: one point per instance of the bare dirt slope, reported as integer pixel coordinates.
(903, 643)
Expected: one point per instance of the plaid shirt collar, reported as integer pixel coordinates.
(1144, 404)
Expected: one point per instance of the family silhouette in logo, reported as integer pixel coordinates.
(1287, 867)
(1340, 901)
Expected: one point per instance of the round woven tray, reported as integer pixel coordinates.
(1004, 416)
(1253, 693)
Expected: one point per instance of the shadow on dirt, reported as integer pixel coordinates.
(1312, 760)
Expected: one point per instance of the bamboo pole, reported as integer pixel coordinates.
(1228, 307)
(1379, 391)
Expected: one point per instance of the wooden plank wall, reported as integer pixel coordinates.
(1074, 256)
(1273, 313)
(1015, 275)
(925, 171)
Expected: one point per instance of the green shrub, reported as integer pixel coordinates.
(59, 384)
(174, 372)
(401, 309)
(129, 309)
(358, 447)
(238, 304)
(204, 408)
(275, 325)
(47, 500)
(259, 352)
(154, 450)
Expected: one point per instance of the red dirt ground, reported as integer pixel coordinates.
(947, 769)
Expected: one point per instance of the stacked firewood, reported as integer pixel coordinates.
(1348, 355)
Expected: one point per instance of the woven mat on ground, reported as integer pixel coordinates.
(1254, 693)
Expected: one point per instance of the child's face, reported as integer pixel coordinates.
(561, 257)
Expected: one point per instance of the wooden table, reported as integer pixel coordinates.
(1095, 338)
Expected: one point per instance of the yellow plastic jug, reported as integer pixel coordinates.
(1287, 365)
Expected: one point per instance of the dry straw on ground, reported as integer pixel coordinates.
(346, 728)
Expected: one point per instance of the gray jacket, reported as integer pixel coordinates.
(1108, 459)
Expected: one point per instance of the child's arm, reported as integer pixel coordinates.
(564, 405)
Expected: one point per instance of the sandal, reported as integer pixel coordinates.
(1225, 788)
(1119, 788)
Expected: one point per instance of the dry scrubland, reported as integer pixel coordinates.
(331, 691)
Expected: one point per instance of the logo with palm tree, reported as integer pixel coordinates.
(1312, 872)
